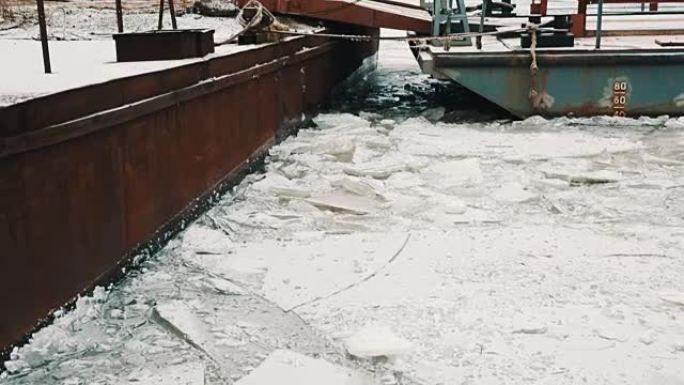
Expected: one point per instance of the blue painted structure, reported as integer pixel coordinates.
(572, 82)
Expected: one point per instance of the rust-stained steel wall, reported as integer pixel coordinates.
(87, 176)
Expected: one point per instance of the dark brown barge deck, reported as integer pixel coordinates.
(90, 176)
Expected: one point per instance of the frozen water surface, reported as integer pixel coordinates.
(501, 252)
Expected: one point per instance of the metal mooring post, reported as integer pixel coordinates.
(478, 39)
(119, 16)
(173, 15)
(161, 14)
(599, 22)
(43, 36)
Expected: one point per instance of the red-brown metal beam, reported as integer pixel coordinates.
(367, 13)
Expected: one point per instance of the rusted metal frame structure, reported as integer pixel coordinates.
(91, 177)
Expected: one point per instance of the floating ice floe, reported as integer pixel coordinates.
(314, 269)
(205, 240)
(374, 340)
(286, 367)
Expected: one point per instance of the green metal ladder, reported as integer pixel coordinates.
(443, 11)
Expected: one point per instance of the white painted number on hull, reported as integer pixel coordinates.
(619, 97)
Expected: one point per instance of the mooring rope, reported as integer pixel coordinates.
(533, 95)
(538, 100)
(449, 37)
(248, 24)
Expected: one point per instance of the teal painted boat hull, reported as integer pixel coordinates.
(573, 83)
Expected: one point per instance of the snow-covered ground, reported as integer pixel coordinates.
(473, 250)
(82, 50)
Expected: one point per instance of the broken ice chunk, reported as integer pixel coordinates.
(376, 341)
(342, 148)
(205, 240)
(434, 114)
(576, 177)
(186, 374)
(285, 367)
(648, 337)
(610, 334)
(224, 286)
(180, 320)
(289, 192)
(375, 171)
(454, 173)
(673, 297)
(513, 193)
(344, 203)
(359, 188)
(662, 161)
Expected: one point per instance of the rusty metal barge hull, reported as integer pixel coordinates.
(92, 176)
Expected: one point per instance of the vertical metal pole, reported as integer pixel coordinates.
(173, 15)
(119, 16)
(599, 22)
(478, 39)
(43, 36)
(436, 16)
(161, 14)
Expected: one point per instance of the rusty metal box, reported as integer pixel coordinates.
(165, 44)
